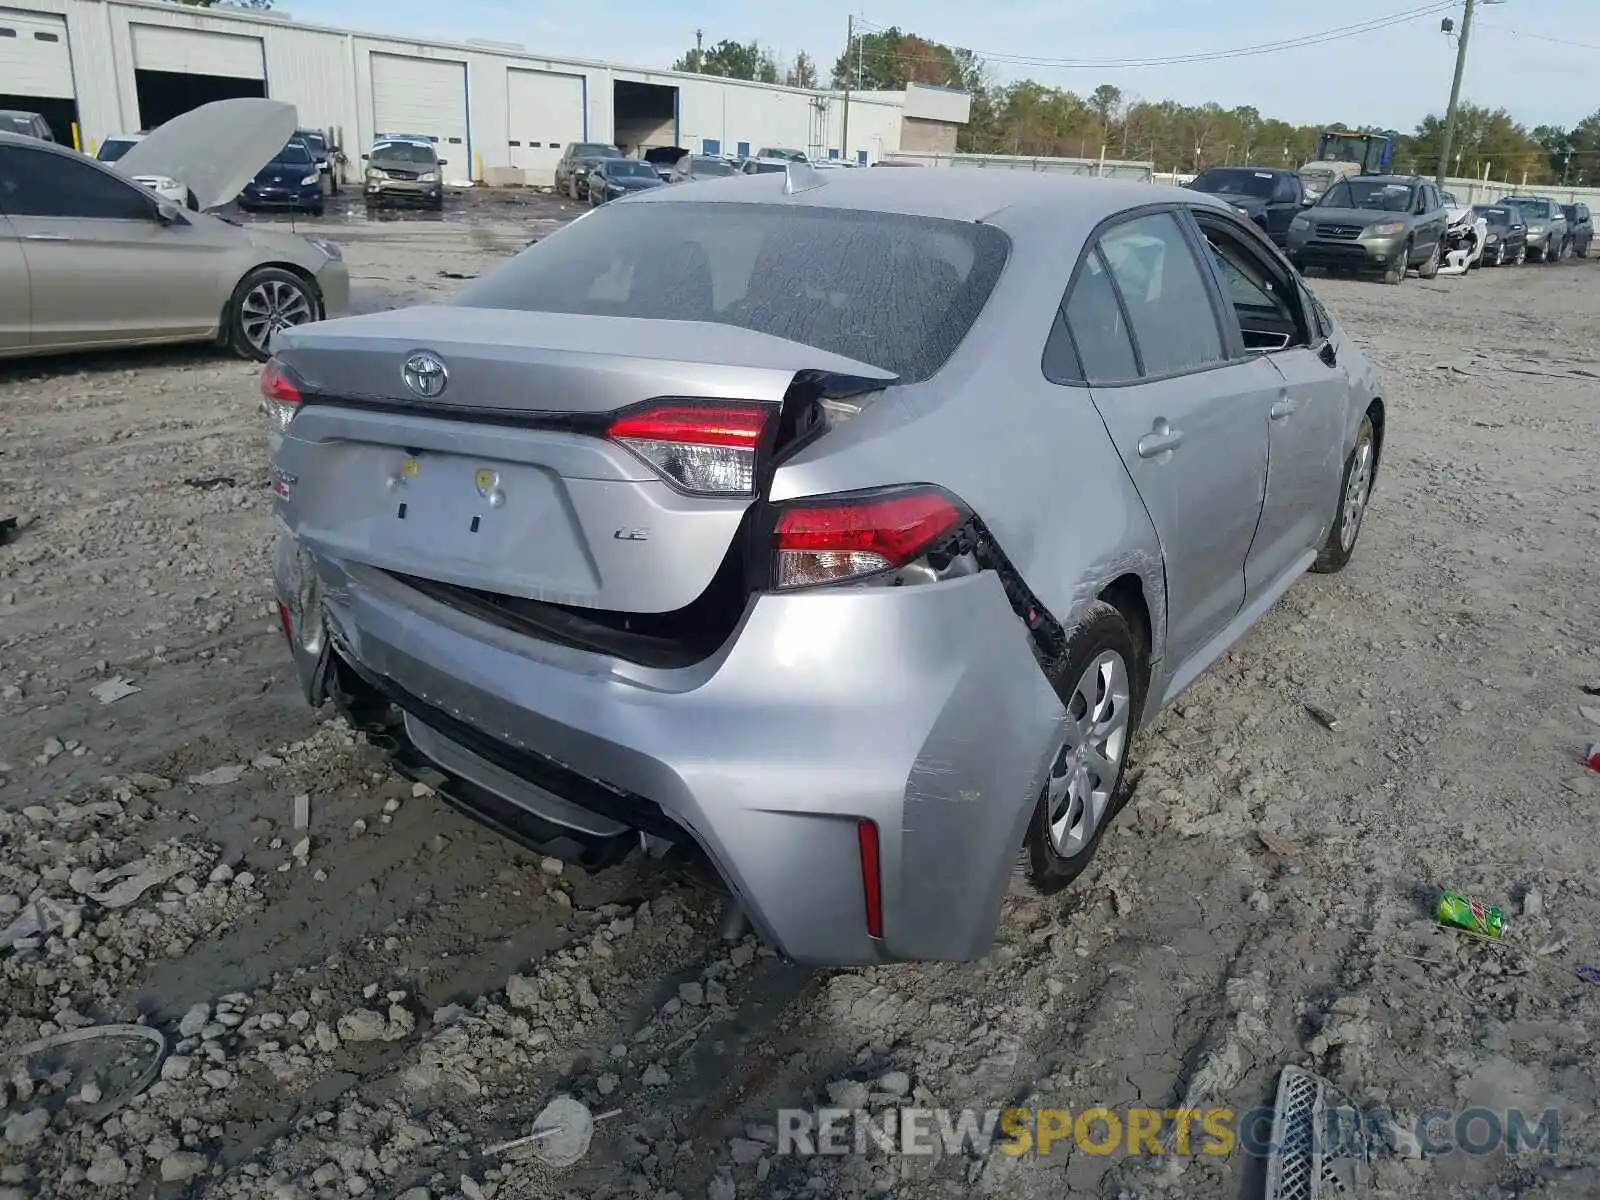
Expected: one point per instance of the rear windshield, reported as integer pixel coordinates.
(315, 141)
(1492, 214)
(1235, 183)
(893, 291)
(595, 150)
(710, 166)
(113, 149)
(766, 168)
(1533, 208)
(16, 123)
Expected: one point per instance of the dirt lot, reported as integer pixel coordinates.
(367, 1004)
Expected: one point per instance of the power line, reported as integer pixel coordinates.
(1338, 33)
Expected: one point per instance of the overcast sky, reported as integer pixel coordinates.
(1391, 77)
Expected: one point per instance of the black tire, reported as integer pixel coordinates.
(244, 308)
(1102, 631)
(1430, 268)
(1337, 549)
(317, 211)
(437, 204)
(1395, 272)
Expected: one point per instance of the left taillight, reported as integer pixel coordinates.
(280, 394)
(706, 448)
(836, 539)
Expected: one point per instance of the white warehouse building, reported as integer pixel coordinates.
(497, 110)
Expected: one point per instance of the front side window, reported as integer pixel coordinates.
(114, 148)
(1169, 308)
(1263, 298)
(892, 291)
(36, 183)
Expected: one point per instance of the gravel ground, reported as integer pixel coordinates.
(362, 993)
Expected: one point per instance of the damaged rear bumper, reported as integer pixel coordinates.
(921, 709)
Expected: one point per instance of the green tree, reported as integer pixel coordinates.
(730, 60)
(802, 72)
(256, 4)
(1483, 137)
(888, 60)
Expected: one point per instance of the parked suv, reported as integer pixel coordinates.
(1548, 240)
(672, 531)
(577, 161)
(1580, 227)
(1373, 223)
(1269, 197)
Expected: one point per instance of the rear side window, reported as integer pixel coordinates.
(1174, 326)
(896, 292)
(1099, 331)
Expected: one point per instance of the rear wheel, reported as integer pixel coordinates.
(1100, 679)
(1355, 489)
(268, 300)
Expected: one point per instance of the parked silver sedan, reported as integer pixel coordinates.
(842, 530)
(90, 259)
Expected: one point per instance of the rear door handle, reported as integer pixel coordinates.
(45, 237)
(1283, 408)
(1161, 439)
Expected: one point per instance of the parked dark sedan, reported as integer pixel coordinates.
(1580, 228)
(1268, 196)
(291, 180)
(1507, 239)
(614, 178)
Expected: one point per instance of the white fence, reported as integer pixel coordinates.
(1106, 168)
(1468, 191)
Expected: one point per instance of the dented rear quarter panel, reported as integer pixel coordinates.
(1032, 458)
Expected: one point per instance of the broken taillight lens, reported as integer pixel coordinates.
(871, 876)
(708, 448)
(839, 538)
(280, 394)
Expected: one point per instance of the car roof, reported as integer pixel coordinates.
(1387, 178)
(951, 193)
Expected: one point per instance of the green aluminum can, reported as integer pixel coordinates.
(1472, 915)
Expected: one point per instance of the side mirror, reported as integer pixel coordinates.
(1328, 354)
(167, 212)
(444, 162)
(1307, 201)
(364, 157)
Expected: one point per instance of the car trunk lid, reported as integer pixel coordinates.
(481, 449)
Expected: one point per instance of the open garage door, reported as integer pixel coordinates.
(175, 70)
(544, 111)
(36, 69)
(645, 115)
(425, 97)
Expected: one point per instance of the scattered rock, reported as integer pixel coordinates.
(26, 1128)
(362, 1025)
(180, 1165)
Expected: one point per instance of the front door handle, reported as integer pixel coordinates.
(1161, 439)
(45, 237)
(1284, 408)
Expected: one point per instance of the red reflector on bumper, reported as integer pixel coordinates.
(871, 876)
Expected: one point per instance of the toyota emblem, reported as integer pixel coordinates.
(425, 375)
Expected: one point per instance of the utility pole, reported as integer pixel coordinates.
(844, 136)
(1455, 93)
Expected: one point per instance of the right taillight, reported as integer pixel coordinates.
(280, 394)
(708, 448)
(840, 538)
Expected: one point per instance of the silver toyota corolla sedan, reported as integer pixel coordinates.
(841, 528)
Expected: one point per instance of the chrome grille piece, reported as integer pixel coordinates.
(1319, 1149)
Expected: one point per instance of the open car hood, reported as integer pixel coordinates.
(215, 149)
